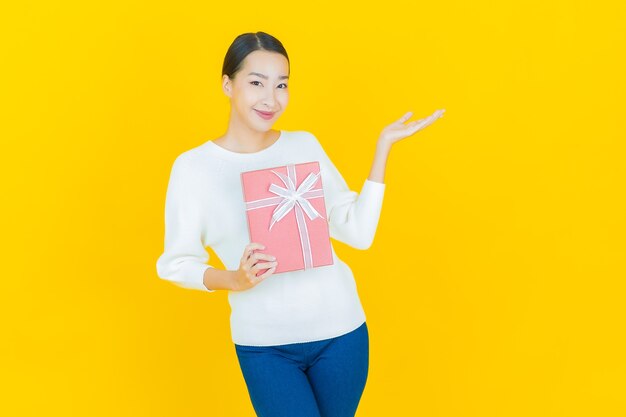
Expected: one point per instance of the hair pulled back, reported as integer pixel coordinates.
(246, 43)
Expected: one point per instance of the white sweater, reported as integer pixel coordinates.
(205, 207)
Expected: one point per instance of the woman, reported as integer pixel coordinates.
(300, 336)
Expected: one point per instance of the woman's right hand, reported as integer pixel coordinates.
(246, 276)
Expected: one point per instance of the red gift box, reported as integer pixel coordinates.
(286, 213)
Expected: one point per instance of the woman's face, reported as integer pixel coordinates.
(259, 86)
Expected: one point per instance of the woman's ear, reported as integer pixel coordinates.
(226, 85)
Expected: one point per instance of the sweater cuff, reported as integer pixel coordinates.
(373, 188)
(196, 273)
(371, 196)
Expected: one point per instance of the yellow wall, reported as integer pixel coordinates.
(494, 286)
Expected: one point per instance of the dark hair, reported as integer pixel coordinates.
(245, 44)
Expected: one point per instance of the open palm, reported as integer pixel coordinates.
(398, 130)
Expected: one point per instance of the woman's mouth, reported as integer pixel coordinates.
(264, 115)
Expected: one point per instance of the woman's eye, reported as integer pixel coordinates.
(253, 83)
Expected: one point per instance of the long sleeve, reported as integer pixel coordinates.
(353, 217)
(184, 259)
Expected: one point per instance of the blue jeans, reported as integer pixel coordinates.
(323, 378)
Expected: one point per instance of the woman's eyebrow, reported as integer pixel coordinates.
(282, 77)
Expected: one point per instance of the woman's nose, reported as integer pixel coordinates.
(269, 100)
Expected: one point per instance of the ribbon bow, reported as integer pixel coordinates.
(292, 197)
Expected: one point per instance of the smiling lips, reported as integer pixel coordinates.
(264, 115)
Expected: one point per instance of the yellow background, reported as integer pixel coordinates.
(495, 283)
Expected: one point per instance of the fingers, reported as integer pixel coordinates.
(265, 265)
(437, 114)
(250, 261)
(254, 264)
(404, 118)
(416, 122)
(257, 256)
(249, 250)
(267, 273)
(422, 123)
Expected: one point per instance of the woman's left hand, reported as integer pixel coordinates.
(398, 130)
